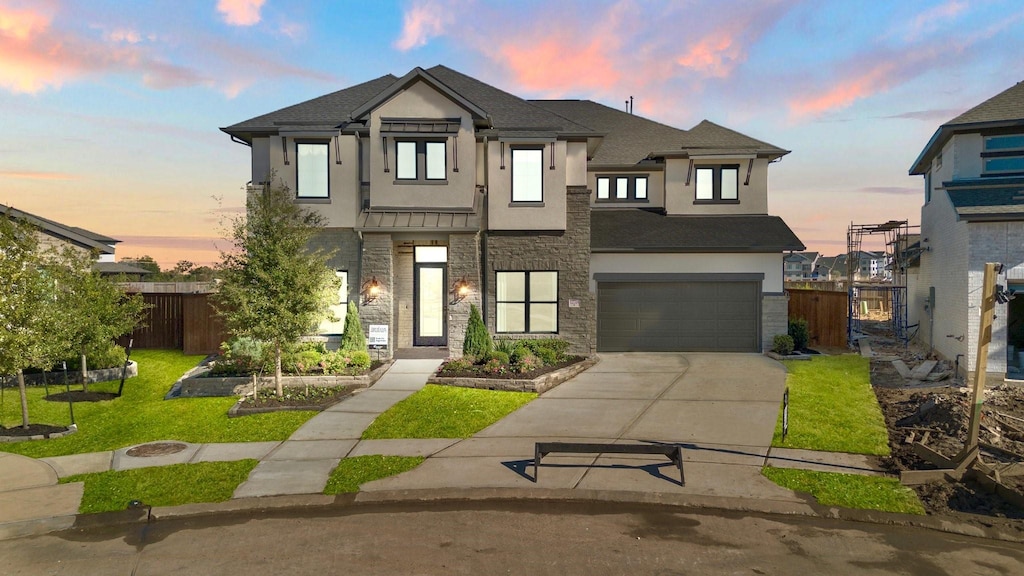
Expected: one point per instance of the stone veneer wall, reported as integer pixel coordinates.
(378, 261)
(344, 242)
(463, 261)
(567, 252)
(774, 318)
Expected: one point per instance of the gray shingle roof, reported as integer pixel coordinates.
(506, 111)
(636, 230)
(1007, 105)
(78, 236)
(1003, 109)
(628, 138)
(987, 199)
(329, 110)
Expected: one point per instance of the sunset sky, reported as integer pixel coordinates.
(109, 110)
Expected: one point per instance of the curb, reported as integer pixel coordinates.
(432, 497)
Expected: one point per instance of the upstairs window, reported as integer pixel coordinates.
(311, 179)
(1004, 155)
(622, 188)
(718, 184)
(421, 160)
(527, 175)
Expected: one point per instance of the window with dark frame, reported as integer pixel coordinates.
(717, 183)
(421, 160)
(622, 188)
(312, 178)
(526, 302)
(527, 174)
(1003, 155)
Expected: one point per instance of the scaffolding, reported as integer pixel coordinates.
(884, 284)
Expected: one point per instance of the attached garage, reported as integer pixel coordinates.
(661, 313)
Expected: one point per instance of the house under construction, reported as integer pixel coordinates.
(878, 294)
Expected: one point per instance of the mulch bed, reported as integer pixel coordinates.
(32, 430)
(477, 373)
(156, 449)
(293, 400)
(80, 396)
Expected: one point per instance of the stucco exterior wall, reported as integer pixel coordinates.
(421, 101)
(768, 264)
(967, 161)
(576, 164)
(546, 215)
(655, 188)
(680, 198)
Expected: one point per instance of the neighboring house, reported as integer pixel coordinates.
(973, 213)
(801, 266)
(559, 218)
(55, 234)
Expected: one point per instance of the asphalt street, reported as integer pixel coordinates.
(509, 537)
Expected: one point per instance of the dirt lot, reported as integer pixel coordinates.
(942, 410)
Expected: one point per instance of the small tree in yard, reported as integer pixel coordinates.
(31, 331)
(99, 310)
(274, 288)
(478, 340)
(352, 337)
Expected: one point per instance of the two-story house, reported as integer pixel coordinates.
(801, 266)
(560, 218)
(973, 213)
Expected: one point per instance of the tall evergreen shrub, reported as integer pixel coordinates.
(478, 341)
(352, 337)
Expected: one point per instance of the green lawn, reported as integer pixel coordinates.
(162, 485)
(353, 472)
(142, 415)
(446, 412)
(849, 490)
(832, 407)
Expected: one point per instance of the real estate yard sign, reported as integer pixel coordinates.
(378, 337)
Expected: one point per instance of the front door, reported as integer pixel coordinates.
(430, 326)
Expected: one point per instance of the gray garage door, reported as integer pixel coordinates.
(678, 316)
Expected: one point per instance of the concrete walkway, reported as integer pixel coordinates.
(721, 408)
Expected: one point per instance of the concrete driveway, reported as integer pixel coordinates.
(720, 407)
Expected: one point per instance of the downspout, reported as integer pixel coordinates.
(485, 221)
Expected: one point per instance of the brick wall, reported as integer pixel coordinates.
(1001, 242)
(567, 252)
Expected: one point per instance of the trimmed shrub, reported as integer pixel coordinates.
(799, 332)
(478, 341)
(495, 355)
(508, 345)
(456, 365)
(242, 355)
(782, 344)
(525, 362)
(550, 350)
(302, 361)
(352, 337)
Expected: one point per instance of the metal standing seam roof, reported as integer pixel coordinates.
(638, 230)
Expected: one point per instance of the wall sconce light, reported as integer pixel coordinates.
(460, 290)
(370, 290)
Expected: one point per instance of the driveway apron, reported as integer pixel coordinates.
(720, 407)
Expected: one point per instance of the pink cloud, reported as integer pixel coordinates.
(929, 19)
(424, 20)
(557, 65)
(714, 55)
(842, 94)
(240, 12)
(35, 175)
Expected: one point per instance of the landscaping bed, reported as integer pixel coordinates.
(316, 398)
(201, 383)
(540, 380)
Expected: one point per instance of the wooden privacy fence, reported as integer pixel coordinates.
(825, 312)
(180, 321)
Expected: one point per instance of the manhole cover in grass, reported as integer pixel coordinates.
(156, 449)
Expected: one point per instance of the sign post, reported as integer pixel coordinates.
(785, 414)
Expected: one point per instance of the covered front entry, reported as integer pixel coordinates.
(430, 277)
(678, 316)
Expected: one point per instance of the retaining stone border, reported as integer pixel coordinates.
(74, 376)
(197, 386)
(540, 384)
(11, 439)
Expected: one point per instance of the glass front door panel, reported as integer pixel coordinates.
(430, 303)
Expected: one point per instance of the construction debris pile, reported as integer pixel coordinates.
(924, 402)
